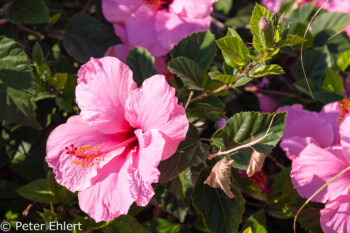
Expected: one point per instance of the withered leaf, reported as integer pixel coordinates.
(220, 176)
(256, 163)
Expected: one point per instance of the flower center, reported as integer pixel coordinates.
(158, 4)
(88, 156)
(344, 106)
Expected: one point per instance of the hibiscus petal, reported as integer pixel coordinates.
(103, 88)
(154, 106)
(294, 145)
(110, 194)
(117, 11)
(335, 217)
(330, 112)
(295, 111)
(345, 136)
(77, 131)
(144, 169)
(192, 8)
(316, 166)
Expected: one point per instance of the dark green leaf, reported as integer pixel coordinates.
(223, 6)
(141, 62)
(37, 191)
(199, 47)
(327, 97)
(125, 224)
(220, 213)
(165, 226)
(86, 37)
(28, 11)
(190, 152)
(58, 80)
(38, 56)
(189, 72)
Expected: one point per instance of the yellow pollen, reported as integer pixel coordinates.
(344, 107)
(86, 156)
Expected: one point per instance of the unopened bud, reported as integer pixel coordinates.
(266, 32)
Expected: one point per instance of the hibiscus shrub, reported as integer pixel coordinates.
(175, 115)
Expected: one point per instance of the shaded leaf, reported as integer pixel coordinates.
(125, 224)
(220, 213)
(190, 152)
(141, 62)
(189, 72)
(257, 222)
(86, 37)
(27, 11)
(37, 191)
(333, 81)
(165, 226)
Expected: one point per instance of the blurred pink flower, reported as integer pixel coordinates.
(157, 25)
(272, 5)
(314, 167)
(221, 123)
(304, 127)
(110, 152)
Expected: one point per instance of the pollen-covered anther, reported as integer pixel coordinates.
(344, 107)
(86, 156)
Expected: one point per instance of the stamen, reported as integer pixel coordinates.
(344, 109)
(88, 156)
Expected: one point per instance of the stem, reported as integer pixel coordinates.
(313, 195)
(220, 89)
(30, 31)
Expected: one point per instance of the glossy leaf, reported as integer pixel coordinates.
(220, 213)
(199, 47)
(28, 11)
(189, 72)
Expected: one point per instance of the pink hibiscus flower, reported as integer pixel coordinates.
(156, 25)
(314, 167)
(304, 127)
(111, 150)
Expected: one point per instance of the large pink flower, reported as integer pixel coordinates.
(314, 167)
(304, 127)
(157, 25)
(110, 152)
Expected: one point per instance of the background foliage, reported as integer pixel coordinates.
(43, 44)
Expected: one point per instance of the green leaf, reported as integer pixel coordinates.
(165, 226)
(227, 79)
(223, 6)
(190, 152)
(240, 129)
(264, 70)
(125, 224)
(189, 72)
(16, 85)
(38, 56)
(220, 213)
(302, 13)
(242, 81)
(86, 37)
(258, 12)
(170, 202)
(199, 47)
(141, 62)
(327, 97)
(257, 222)
(291, 40)
(333, 81)
(27, 11)
(343, 61)
(235, 49)
(58, 80)
(37, 191)
(335, 21)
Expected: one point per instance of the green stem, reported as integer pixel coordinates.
(317, 192)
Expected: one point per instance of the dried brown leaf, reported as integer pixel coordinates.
(256, 163)
(220, 176)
